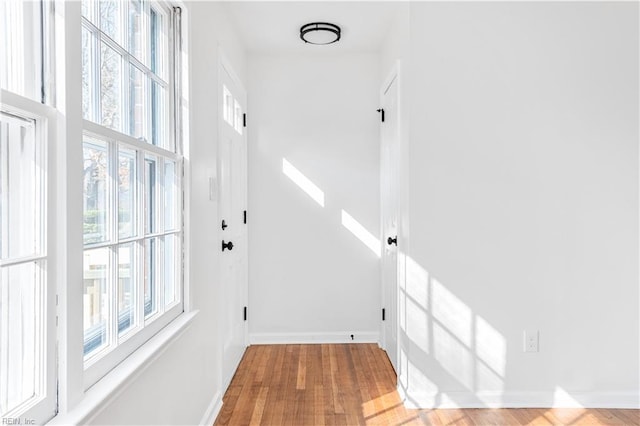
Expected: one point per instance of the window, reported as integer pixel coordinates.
(27, 287)
(23, 265)
(232, 110)
(20, 49)
(132, 179)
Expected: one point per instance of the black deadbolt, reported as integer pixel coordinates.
(224, 224)
(393, 240)
(228, 246)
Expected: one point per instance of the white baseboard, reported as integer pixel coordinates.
(212, 410)
(310, 338)
(538, 399)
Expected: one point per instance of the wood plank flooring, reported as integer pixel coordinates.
(355, 384)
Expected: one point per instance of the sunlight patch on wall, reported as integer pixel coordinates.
(491, 346)
(303, 182)
(562, 399)
(403, 366)
(438, 325)
(452, 312)
(361, 233)
(419, 381)
(417, 324)
(453, 356)
(417, 282)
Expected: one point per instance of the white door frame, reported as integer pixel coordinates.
(224, 66)
(394, 75)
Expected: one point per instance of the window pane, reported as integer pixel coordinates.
(95, 299)
(135, 30)
(150, 277)
(159, 116)
(170, 263)
(20, 47)
(110, 87)
(20, 186)
(170, 195)
(137, 101)
(238, 115)
(227, 107)
(150, 170)
(110, 18)
(126, 287)
(158, 40)
(89, 9)
(95, 191)
(126, 193)
(20, 334)
(87, 74)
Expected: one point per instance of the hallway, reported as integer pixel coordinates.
(354, 384)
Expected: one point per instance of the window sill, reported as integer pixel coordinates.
(96, 397)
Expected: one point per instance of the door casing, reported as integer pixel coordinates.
(232, 190)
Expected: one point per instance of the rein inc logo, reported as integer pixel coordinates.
(17, 421)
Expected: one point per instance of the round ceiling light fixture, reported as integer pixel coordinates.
(320, 33)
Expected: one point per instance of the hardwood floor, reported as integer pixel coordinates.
(355, 385)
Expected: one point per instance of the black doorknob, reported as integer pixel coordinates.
(228, 246)
(393, 240)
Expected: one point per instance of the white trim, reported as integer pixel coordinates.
(100, 367)
(213, 410)
(393, 76)
(107, 389)
(515, 399)
(42, 406)
(109, 135)
(227, 74)
(310, 338)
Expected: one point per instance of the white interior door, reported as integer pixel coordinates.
(389, 181)
(232, 178)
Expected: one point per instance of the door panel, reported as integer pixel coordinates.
(232, 167)
(389, 178)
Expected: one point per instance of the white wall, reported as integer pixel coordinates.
(523, 205)
(308, 275)
(184, 382)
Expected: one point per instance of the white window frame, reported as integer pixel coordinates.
(24, 77)
(105, 360)
(44, 408)
(34, 101)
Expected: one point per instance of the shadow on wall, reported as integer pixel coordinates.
(439, 332)
(442, 339)
(348, 221)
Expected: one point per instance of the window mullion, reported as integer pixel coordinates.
(97, 78)
(41, 193)
(4, 190)
(126, 96)
(112, 226)
(161, 228)
(158, 228)
(140, 245)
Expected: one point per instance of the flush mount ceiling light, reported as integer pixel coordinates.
(320, 33)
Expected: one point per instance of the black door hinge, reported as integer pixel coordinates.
(383, 316)
(244, 217)
(244, 120)
(381, 111)
(245, 313)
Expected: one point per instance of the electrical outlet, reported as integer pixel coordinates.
(531, 341)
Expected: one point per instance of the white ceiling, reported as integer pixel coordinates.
(267, 26)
